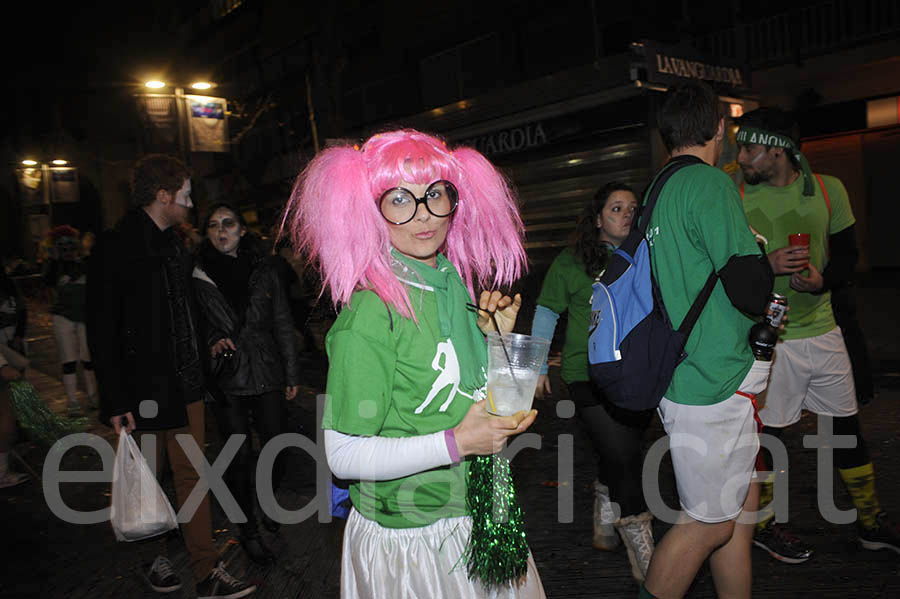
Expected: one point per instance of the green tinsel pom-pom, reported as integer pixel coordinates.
(497, 552)
(34, 415)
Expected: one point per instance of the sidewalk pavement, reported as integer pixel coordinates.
(48, 558)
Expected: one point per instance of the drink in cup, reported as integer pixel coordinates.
(514, 365)
(799, 240)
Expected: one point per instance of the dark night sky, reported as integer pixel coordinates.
(94, 43)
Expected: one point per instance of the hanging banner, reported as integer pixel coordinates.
(207, 123)
(63, 184)
(31, 186)
(159, 120)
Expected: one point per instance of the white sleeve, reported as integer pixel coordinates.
(353, 457)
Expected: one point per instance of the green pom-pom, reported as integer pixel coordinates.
(497, 553)
(34, 415)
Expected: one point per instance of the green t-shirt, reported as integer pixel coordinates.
(697, 226)
(776, 212)
(567, 287)
(397, 383)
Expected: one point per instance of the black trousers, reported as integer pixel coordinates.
(236, 414)
(617, 438)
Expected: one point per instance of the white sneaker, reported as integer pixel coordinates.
(637, 534)
(605, 516)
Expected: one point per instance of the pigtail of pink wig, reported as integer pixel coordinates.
(485, 239)
(334, 220)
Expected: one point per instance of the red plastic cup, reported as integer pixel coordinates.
(798, 239)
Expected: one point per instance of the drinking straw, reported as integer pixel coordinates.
(503, 345)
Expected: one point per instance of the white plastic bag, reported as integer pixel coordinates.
(140, 508)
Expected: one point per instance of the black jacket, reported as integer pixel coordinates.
(12, 305)
(266, 358)
(140, 323)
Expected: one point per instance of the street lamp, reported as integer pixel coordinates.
(183, 113)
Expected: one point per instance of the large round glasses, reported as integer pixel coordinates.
(399, 205)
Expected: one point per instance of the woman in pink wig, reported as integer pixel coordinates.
(403, 230)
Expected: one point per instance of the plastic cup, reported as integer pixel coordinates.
(511, 383)
(798, 239)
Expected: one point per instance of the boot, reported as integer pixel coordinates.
(605, 516)
(70, 384)
(637, 534)
(254, 546)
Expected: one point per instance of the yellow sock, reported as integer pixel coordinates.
(860, 483)
(766, 493)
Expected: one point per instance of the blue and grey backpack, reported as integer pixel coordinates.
(632, 348)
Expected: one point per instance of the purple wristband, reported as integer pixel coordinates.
(450, 440)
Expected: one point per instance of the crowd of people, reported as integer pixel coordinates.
(416, 243)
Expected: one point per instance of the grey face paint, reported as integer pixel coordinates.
(183, 195)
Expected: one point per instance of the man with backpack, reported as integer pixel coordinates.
(811, 370)
(698, 228)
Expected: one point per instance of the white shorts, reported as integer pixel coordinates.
(714, 450)
(71, 340)
(417, 563)
(809, 374)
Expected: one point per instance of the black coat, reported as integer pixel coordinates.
(266, 358)
(140, 323)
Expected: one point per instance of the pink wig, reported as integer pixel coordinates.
(334, 219)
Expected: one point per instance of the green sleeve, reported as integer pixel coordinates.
(718, 222)
(362, 358)
(554, 291)
(841, 212)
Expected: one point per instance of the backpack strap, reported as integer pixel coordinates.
(824, 193)
(670, 169)
(827, 203)
(697, 307)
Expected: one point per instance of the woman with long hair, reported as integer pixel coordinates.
(616, 434)
(254, 368)
(403, 229)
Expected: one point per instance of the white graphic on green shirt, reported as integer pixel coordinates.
(449, 375)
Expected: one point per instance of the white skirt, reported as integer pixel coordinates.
(418, 563)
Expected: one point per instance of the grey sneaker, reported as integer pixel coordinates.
(222, 585)
(162, 577)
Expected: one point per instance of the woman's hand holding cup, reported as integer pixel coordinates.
(482, 433)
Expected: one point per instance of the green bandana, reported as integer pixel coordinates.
(752, 135)
(456, 320)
